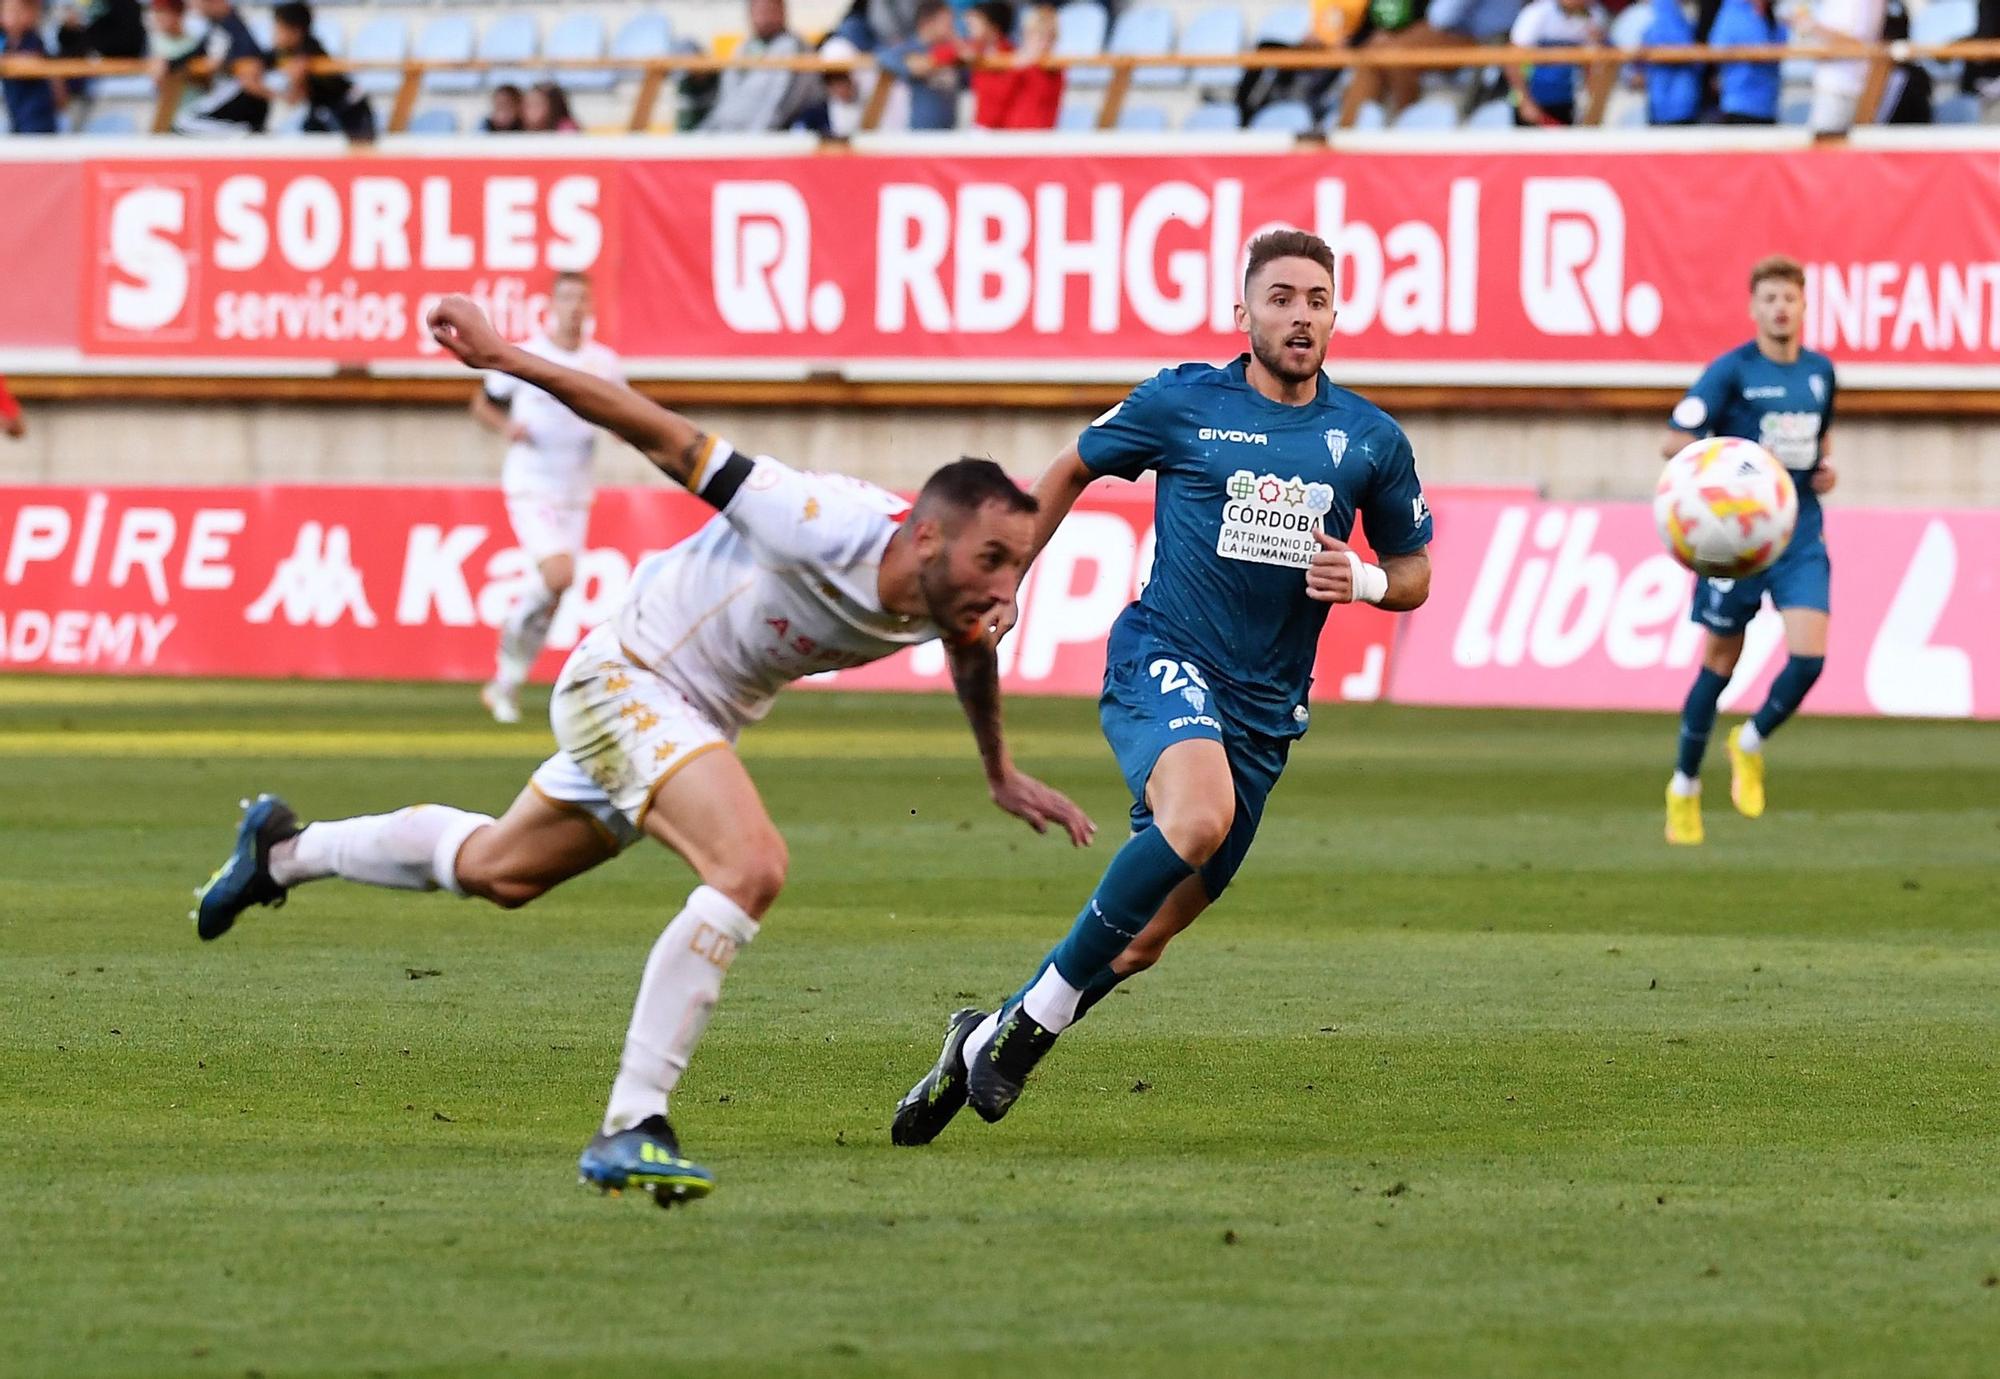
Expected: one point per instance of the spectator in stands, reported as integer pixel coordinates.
(1408, 24)
(1748, 90)
(836, 112)
(33, 103)
(1393, 24)
(102, 28)
(1907, 97)
(237, 98)
(876, 24)
(1546, 94)
(928, 65)
(503, 112)
(1836, 88)
(1984, 77)
(332, 104)
(545, 110)
(1023, 94)
(11, 421)
(169, 41)
(1673, 92)
(755, 102)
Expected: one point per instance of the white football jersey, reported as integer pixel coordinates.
(782, 583)
(553, 463)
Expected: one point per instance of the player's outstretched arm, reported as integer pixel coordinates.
(1056, 492)
(975, 674)
(670, 441)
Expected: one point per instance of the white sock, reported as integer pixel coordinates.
(683, 982)
(413, 849)
(1749, 739)
(523, 632)
(981, 1036)
(1684, 784)
(1051, 1001)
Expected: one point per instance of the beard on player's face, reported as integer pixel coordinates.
(1293, 352)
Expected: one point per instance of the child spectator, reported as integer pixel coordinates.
(928, 65)
(545, 110)
(503, 114)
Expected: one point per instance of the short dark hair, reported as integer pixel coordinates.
(966, 485)
(294, 15)
(570, 275)
(998, 13)
(926, 11)
(1286, 244)
(1780, 266)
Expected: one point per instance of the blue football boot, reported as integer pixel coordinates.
(646, 1156)
(244, 878)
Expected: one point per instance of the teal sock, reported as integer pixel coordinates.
(1134, 887)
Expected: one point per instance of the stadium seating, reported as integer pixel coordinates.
(1143, 119)
(381, 38)
(579, 36)
(1080, 27)
(1211, 116)
(434, 120)
(1494, 114)
(509, 39)
(1213, 33)
(446, 38)
(1147, 32)
(1289, 117)
(1370, 116)
(1291, 26)
(1077, 116)
(1962, 108)
(1429, 115)
(111, 122)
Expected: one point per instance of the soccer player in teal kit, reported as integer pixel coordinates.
(1263, 465)
(1780, 395)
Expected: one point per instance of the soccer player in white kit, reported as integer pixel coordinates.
(547, 479)
(797, 573)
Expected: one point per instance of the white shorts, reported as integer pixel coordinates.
(548, 526)
(623, 732)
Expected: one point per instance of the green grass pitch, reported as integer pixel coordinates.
(1469, 1076)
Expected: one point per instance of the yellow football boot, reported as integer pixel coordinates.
(1746, 779)
(1683, 819)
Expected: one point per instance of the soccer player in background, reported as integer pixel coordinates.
(1263, 466)
(1779, 394)
(797, 573)
(547, 479)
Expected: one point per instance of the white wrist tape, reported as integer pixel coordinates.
(1371, 582)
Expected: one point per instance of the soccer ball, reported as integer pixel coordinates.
(1725, 507)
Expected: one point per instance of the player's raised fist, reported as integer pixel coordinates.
(1330, 577)
(458, 325)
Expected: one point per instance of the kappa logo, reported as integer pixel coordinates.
(1211, 433)
(1336, 445)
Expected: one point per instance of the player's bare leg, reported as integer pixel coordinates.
(1719, 655)
(1192, 795)
(523, 633)
(422, 847)
(1805, 645)
(710, 813)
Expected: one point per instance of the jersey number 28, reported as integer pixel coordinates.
(1174, 675)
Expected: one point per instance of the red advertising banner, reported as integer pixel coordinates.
(330, 258)
(411, 583)
(1561, 605)
(1457, 266)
